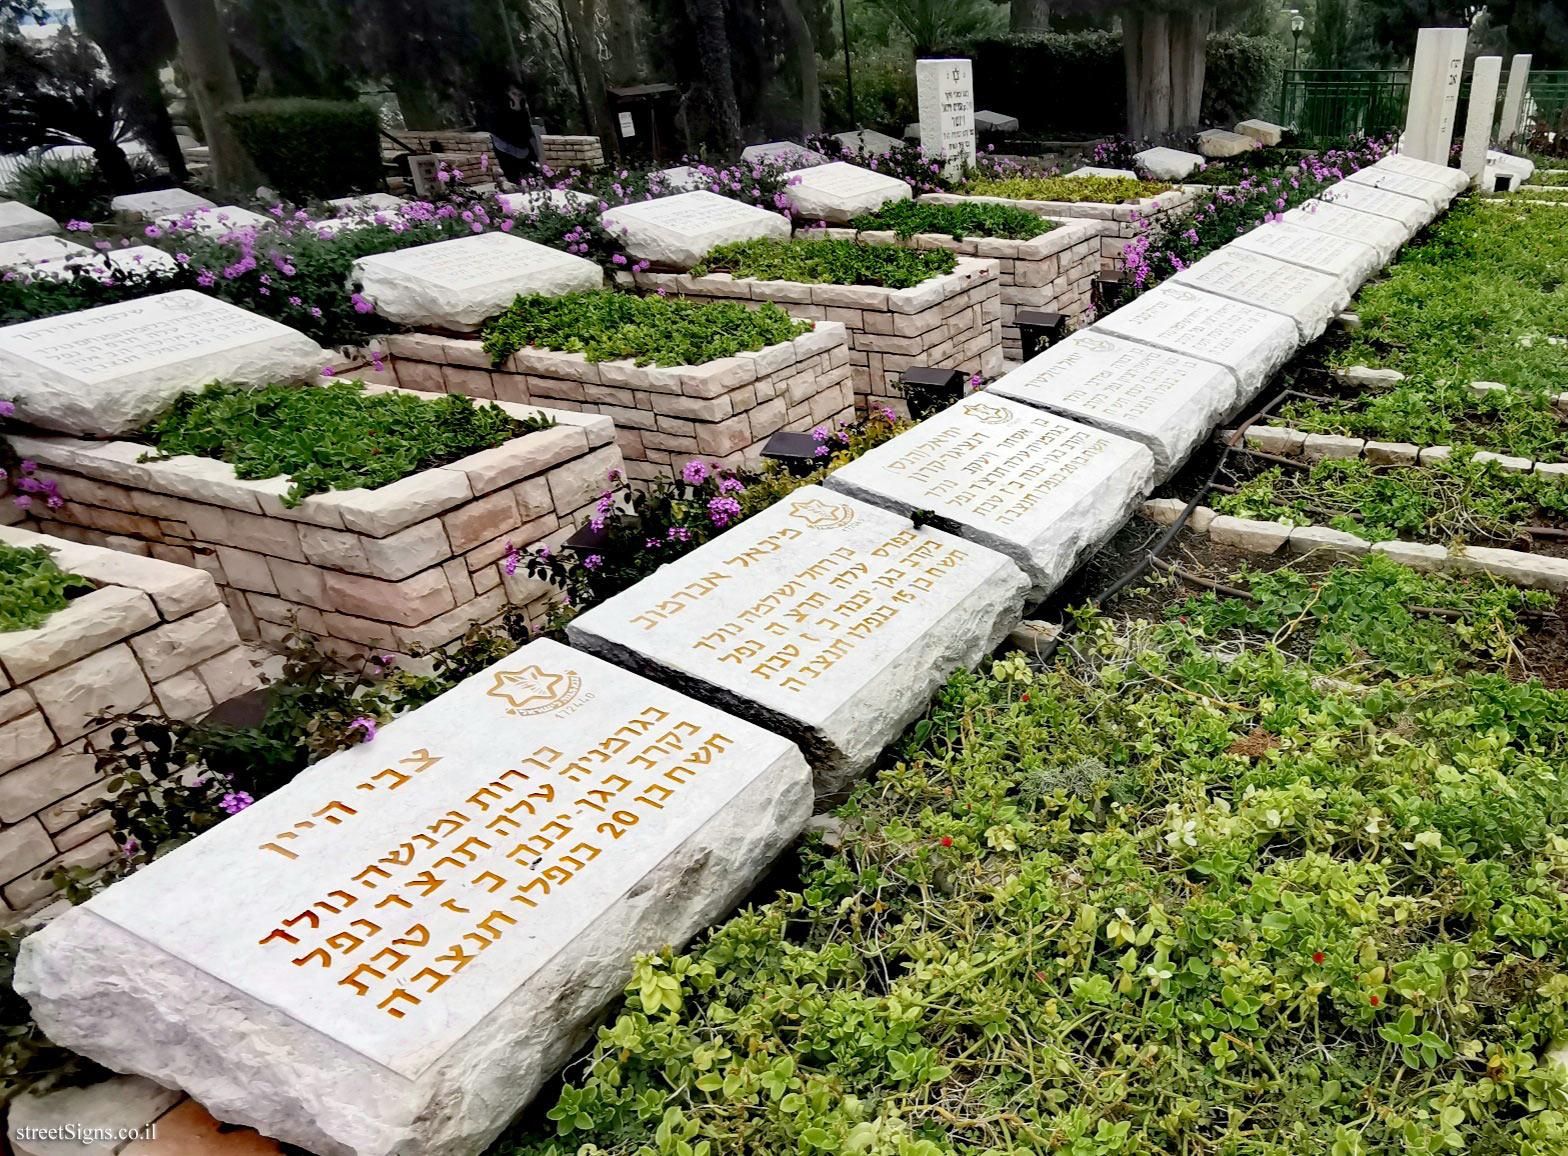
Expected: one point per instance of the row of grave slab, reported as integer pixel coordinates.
(391, 954)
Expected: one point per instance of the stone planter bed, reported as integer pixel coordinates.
(724, 410)
(953, 321)
(152, 636)
(412, 563)
(1054, 271)
(1120, 221)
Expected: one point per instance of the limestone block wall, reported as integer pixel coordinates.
(572, 152)
(413, 563)
(1054, 271)
(953, 321)
(723, 411)
(153, 635)
(460, 151)
(1120, 222)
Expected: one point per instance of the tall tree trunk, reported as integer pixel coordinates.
(151, 116)
(585, 36)
(204, 51)
(1147, 51)
(713, 46)
(1029, 16)
(806, 52)
(1189, 40)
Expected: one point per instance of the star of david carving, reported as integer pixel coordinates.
(523, 688)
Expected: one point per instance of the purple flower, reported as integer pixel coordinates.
(732, 486)
(79, 226)
(22, 501)
(514, 557)
(7, 409)
(723, 511)
(695, 472)
(205, 279)
(153, 231)
(367, 725)
(328, 371)
(593, 561)
(235, 802)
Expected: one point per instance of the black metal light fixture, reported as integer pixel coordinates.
(588, 540)
(928, 389)
(1297, 24)
(796, 452)
(1108, 290)
(1040, 330)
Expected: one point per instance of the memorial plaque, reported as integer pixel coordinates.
(1350, 261)
(1454, 180)
(1380, 234)
(31, 250)
(19, 221)
(391, 953)
(946, 91)
(108, 371)
(1436, 196)
(1164, 400)
(824, 618)
(461, 284)
(838, 191)
(679, 231)
(1412, 212)
(1252, 343)
(1042, 490)
(1306, 296)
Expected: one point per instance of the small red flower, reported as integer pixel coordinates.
(1026, 698)
(1376, 1001)
(1040, 975)
(947, 840)
(1317, 957)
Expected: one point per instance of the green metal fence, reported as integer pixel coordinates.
(1548, 103)
(1328, 105)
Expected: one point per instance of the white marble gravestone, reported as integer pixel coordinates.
(1309, 298)
(838, 191)
(1435, 78)
(826, 619)
(782, 152)
(987, 121)
(1381, 234)
(31, 250)
(1485, 75)
(1513, 102)
(679, 231)
(157, 203)
(1217, 143)
(1451, 179)
(868, 142)
(1351, 261)
(136, 261)
(460, 284)
(538, 200)
(389, 955)
(1414, 213)
(219, 221)
(1434, 194)
(946, 91)
(108, 371)
(1264, 132)
(1102, 171)
(1168, 164)
(1252, 343)
(1168, 402)
(1042, 490)
(682, 178)
(363, 203)
(19, 222)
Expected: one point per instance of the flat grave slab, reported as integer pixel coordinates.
(1308, 297)
(30, 250)
(825, 619)
(459, 284)
(218, 221)
(1166, 401)
(1435, 194)
(368, 203)
(1101, 171)
(393, 952)
(1219, 142)
(1168, 164)
(1252, 343)
(679, 231)
(782, 152)
(19, 221)
(1381, 234)
(988, 121)
(561, 200)
(1042, 490)
(1351, 261)
(1454, 179)
(868, 142)
(149, 206)
(107, 371)
(838, 191)
(1411, 212)
(1262, 131)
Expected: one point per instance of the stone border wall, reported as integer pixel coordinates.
(1121, 221)
(460, 151)
(952, 322)
(415, 562)
(153, 636)
(1053, 271)
(725, 410)
(571, 152)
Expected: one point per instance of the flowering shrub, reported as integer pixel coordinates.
(604, 325)
(829, 262)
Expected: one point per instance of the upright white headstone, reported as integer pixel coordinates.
(946, 88)
(824, 618)
(109, 370)
(1513, 103)
(392, 953)
(679, 231)
(1042, 490)
(459, 284)
(1434, 93)
(1478, 119)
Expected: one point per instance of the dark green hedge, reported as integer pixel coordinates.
(1073, 82)
(311, 148)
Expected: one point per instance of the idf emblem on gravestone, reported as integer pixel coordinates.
(820, 515)
(988, 414)
(533, 690)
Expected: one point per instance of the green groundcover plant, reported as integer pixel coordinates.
(330, 437)
(1100, 190)
(971, 219)
(829, 262)
(1459, 498)
(604, 325)
(32, 587)
(1144, 903)
(1545, 194)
